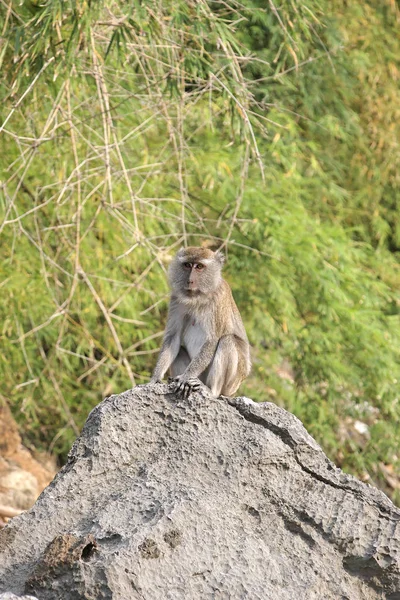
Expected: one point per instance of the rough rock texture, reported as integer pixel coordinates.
(201, 499)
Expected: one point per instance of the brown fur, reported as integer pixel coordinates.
(194, 254)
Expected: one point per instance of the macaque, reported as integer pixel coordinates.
(205, 338)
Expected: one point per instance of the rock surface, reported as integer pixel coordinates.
(201, 499)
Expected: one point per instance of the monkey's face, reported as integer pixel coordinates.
(194, 277)
(195, 272)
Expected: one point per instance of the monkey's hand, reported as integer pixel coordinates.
(185, 386)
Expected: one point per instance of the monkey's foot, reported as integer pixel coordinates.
(184, 388)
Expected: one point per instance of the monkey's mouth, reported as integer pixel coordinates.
(192, 291)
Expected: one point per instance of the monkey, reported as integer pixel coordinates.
(205, 338)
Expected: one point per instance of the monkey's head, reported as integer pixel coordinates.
(195, 272)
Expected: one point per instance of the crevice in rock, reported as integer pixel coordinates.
(366, 568)
(294, 445)
(373, 574)
(88, 551)
(296, 527)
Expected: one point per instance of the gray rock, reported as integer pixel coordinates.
(201, 499)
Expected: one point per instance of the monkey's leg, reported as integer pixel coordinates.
(222, 376)
(177, 368)
(180, 363)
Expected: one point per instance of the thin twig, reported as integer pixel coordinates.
(110, 324)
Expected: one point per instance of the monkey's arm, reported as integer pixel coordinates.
(171, 343)
(168, 353)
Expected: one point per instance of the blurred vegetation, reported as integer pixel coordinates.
(132, 128)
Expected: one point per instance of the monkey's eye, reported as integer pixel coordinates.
(199, 266)
(187, 265)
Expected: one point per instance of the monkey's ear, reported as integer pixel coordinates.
(219, 257)
(181, 251)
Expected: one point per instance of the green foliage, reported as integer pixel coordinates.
(132, 128)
